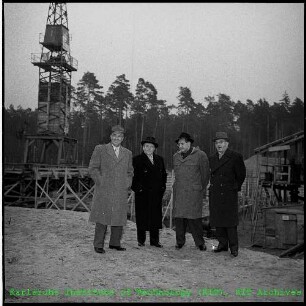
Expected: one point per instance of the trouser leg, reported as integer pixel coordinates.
(196, 229)
(180, 230)
(154, 236)
(141, 236)
(100, 232)
(116, 234)
(221, 234)
(232, 235)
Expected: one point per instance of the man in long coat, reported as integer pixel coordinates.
(227, 173)
(112, 171)
(191, 172)
(149, 185)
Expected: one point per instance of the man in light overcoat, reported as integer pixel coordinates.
(227, 173)
(191, 171)
(112, 171)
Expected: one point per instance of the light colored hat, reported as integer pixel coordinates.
(118, 128)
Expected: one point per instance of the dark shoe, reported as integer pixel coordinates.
(158, 245)
(220, 249)
(202, 247)
(234, 253)
(179, 246)
(118, 248)
(99, 250)
(141, 244)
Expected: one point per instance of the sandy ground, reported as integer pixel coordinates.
(49, 257)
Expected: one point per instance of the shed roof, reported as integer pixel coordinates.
(283, 141)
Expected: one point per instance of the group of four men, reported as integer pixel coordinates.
(114, 171)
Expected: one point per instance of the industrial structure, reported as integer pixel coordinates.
(54, 94)
(274, 193)
(50, 174)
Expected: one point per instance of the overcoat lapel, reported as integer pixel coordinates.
(182, 160)
(112, 153)
(121, 154)
(147, 161)
(217, 163)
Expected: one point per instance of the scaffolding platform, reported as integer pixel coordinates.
(45, 186)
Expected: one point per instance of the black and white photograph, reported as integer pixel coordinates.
(152, 152)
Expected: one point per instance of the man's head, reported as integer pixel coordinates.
(117, 135)
(184, 142)
(221, 142)
(149, 145)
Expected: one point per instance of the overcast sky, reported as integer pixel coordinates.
(244, 50)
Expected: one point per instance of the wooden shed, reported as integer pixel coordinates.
(283, 227)
(275, 188)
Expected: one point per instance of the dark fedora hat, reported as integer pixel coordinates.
(150, 139)
(221, 135)
(186, 136)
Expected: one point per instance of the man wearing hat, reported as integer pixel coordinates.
(191, 170)
(112, 171)
(227, 173)
(149, 184)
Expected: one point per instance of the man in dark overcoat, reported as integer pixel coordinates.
(227, 173)
(149, 185)
(191, 171)
(111, 169)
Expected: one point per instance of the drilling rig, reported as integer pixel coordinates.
(50, 175)
(54, 93)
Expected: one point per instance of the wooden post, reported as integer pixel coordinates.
(171, 204)
(42, 155)
(65, 187)
(60, 149)
(171, 207)
(36, 202)
(26, 150)
(297, 248)
(75, 152)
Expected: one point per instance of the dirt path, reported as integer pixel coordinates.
(49, 255)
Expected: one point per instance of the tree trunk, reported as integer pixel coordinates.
(155, 129)
(142, 126)
(101, 127)
(120, 115)
(268, 128)
(136, 134)
(88, 137)
(164, 140)
(84, 142)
